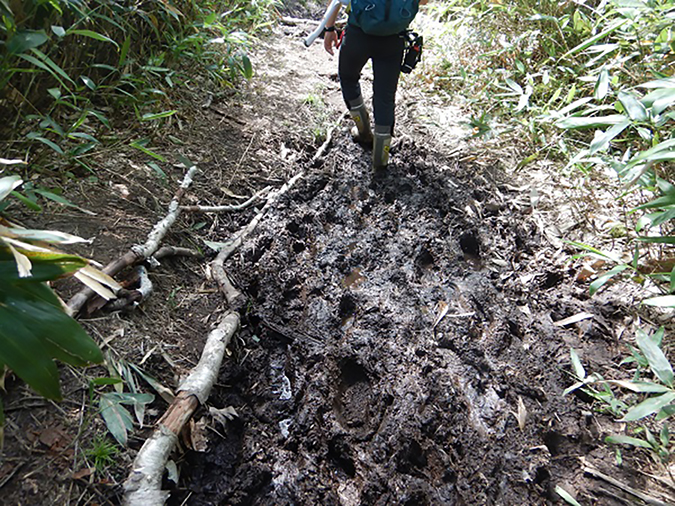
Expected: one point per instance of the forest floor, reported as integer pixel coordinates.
(404, 340)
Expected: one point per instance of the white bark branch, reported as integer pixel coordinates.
(138, 252)
(230, 208)
(143, 486)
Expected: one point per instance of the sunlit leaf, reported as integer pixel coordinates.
(604, 278)
(663, 301)
(589, 121)
(579, 371)
(566, 496)
(92, 35)
(635, 109)
(628, 440)
(601, 85)
(658, 362)
(648, 407)
(153, 116)
(7, 185)
(602, 141)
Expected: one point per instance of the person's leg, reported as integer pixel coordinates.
(354, 53)
(387, 56)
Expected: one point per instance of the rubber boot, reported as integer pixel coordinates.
(359, 113)
(381, 144)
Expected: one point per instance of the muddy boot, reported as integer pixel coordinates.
(381, 144)
(359, 114)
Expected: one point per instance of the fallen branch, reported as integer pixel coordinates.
(173, 251)
(139, 252)
(231, 208)
(143, 487)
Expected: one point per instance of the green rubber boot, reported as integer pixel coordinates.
(381, 144)
(359, 113)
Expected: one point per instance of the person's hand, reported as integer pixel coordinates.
(330, 40)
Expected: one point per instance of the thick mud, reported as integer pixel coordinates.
(389, 343)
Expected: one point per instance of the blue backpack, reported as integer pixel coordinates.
(383, 17)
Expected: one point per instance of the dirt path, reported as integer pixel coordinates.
(399, 344)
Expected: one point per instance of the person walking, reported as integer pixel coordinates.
(374, 32)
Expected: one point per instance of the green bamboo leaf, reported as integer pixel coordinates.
(37, 137)
(99, 116)
(602, 141)
(37, 309)
(668, 239)
(643, 387)
(50, 63)
(140, 146)
(564, 494)
(579, 371)
(659, 83)
(589, 42)
(27, 202)
(657, 360)
(601, 85)
(88, 83)
(247, 67)
(663, 301)
(92, 35)
(124, 52)
(573, 122)
(635, 109)
(46, 266)
(58, 31)
(24, 40)
(43, 66)
(604, 278)
(648, 407)
(116, 417)
(628, 440)
(20, 347)
(153, 116)
(659, 100)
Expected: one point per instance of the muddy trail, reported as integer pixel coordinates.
(402, 340)
(399, 344)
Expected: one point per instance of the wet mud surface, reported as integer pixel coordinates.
(389, 342)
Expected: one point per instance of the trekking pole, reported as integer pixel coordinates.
(332, 9)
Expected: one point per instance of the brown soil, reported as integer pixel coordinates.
(398, 345)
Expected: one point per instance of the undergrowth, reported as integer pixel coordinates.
(72, 69)
(590, 86)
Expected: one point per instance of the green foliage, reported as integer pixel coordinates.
(102, 452)
(647, 397)
(34, 329)
(63, 63)
(590, 85)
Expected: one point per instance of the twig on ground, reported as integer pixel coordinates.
(144, 484)
(234, 297)
(626, 488)
(173, 251)
(231, 208)
(139, 252)
(11, 475)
